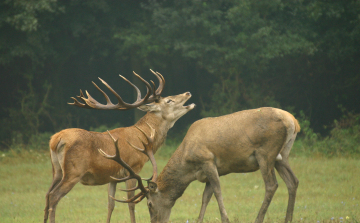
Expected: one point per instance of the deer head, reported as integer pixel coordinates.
(170, 108)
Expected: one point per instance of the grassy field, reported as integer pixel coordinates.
(329, 189)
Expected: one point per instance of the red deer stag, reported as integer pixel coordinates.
(74, 152)
(244, 141)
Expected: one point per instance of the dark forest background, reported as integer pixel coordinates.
(299, 55)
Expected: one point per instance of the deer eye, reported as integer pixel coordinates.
(169, 101)
(150, 204)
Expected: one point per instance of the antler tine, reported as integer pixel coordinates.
(131, 189)
(90, 101)
(120, 101)
(153, 89)
(138, 92)
(129, 200)
(148, 150)
(161, 82)
(108, 102)
(139, 199)
(153, 162)
(136, 199)
(152, 133)
(150, 138)
(148, 87)
(135, 147)
(77, 103)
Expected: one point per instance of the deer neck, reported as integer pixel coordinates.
(160, 125)
(175, 177)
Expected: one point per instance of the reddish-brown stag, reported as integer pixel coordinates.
(241, 142)
(74, 152)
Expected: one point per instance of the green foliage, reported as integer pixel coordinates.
(33, 109)
(231, 95)
(23, 125)
(344, 138)
(37, 142)
(22, 36)
(236, 41)
(24, 16)
(232, 55)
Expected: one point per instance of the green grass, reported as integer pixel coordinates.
(328, 188)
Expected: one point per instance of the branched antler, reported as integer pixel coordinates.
(151, 95)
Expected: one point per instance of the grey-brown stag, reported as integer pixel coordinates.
(74, 152)
(241, 142)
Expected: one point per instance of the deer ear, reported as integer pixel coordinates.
(152, 186)
(149, 108)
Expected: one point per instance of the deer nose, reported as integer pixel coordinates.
(188, 94)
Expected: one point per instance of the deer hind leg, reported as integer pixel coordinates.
(208, 192)
(268, 174)
(289, 177)
(212, 175)
(57, 175)
(65, 185)
(291, 182)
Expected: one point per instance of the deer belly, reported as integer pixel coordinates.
(90, 179)
(241, 165)
(99, 177)
(94, 180)
(248, 165)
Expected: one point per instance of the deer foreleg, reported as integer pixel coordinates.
(111, 202)
(131, 184)
(291, 182)
(205, 201)
(212, 175)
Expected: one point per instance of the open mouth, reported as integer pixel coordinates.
(191, 106)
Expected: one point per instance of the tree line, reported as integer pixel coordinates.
(299, 55)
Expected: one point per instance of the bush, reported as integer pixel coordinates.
(36, 142)
(344, 138)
